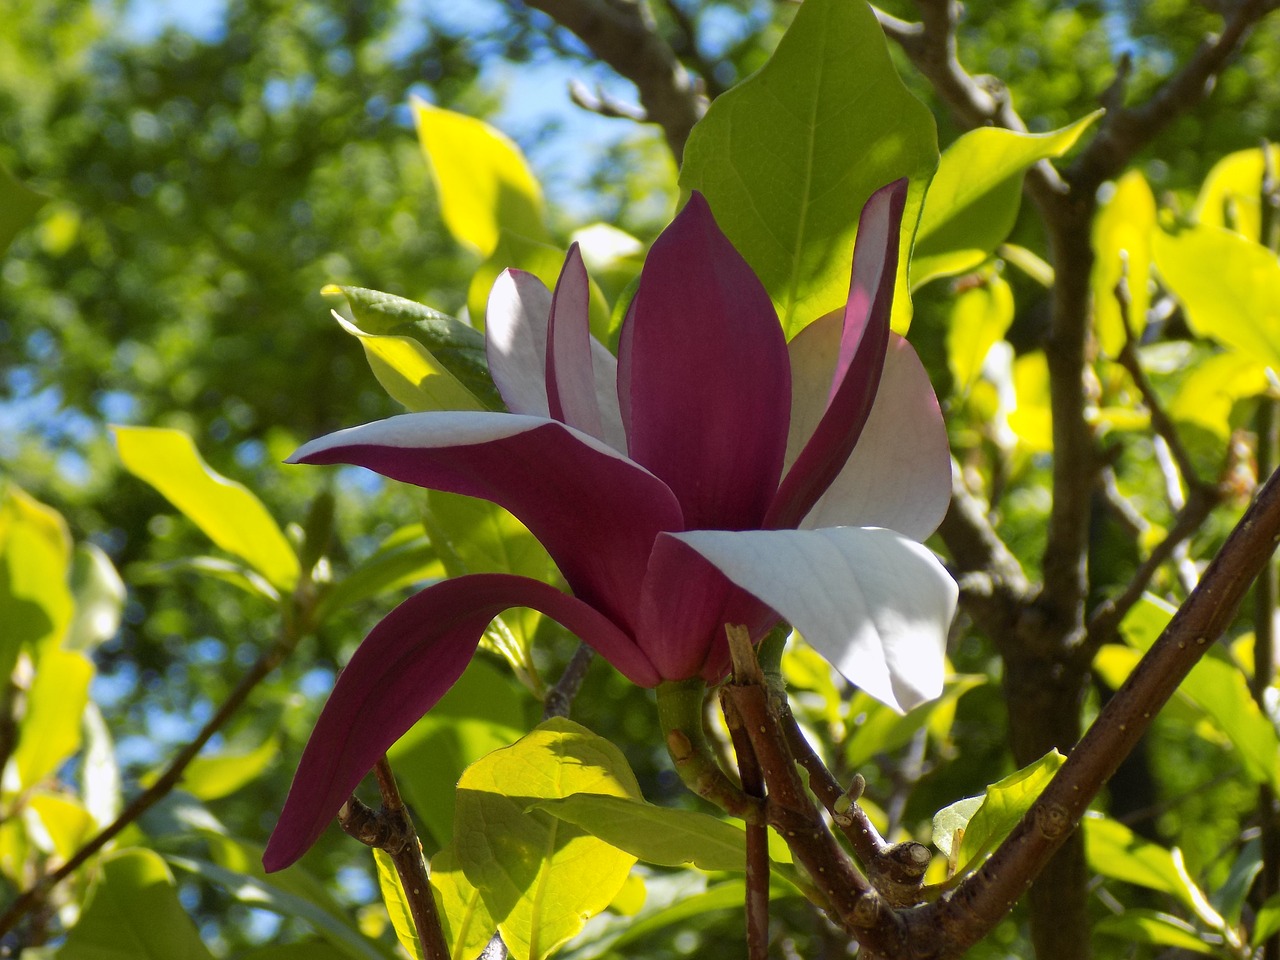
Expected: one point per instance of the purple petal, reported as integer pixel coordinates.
(703, 375)
(595, 511)
(899, 474)
(402, 669)
(863, 342)
(876, 605)
(516, 340)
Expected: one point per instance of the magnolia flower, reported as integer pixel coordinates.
(711, 474)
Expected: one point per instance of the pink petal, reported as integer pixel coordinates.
(516, 340)
(402, 669)
(595, 511)
(899, 474)
(703, 375)
(863, 342)
(571, 390)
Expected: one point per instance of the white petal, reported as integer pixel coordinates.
(899, 474)
(874, 603)
(516, 340)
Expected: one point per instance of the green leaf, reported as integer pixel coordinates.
(1151, 926)
(1229, 286)
(310, 950)
(18, 206)
(788, 157)
(403, 559)
(133, 913)
(410, 374)
(219, 568)
(1267, 923)
(1210, 389)
(256, 892)
(65, 822)
(99, 599)
(468, 927)
(980, 315)
(973, 200)
(397, 905)
(222, 774)
(36, 606)
(884, 730)
(541, 878)
(224, 510)
(1113, 850)
(1001, 807)
(50, 731)
(456, 347)
(1231, 195)
(485, 185)
(667, 837)
(1122, 234)
(482, 712)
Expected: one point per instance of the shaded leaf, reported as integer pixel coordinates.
(18, 206)
(36, 606)
(788, 157)
(1151, 926)
(404, 558)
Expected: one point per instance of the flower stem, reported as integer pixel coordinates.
(680, 717)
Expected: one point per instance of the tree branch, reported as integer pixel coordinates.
(622, 33)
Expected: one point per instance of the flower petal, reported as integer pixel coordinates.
(874, 603)
(517, 331)
(595, 511)
(703, 375)
(899, 474)
(402, 669)
(858, 365)
(516, 340)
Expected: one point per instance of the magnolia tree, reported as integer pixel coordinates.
(717, 462)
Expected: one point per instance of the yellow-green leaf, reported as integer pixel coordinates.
(222, 774)
(980, 315)
(35, 559)
(1231, 195)
(410, 374)
(1212, 387)
(224, 510)
(51, 731)
(397, 905)
(468, 926)
(1122, 249)
(1031, 419)
(1229, 285)
(973, 200)
(485, 184)
(66, 823)
(540, 877)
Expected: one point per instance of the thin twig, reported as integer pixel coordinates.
(559, 698)
(391, 830)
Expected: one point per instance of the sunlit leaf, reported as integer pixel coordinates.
(973, 200)
(484, 182)
(452, 344)
(1231, 195)
(1032, 419)
(216, 775)
(397, 905)
(1229, 286)
(1210, 389)
(65, 822)
(788, 157)
(980, 315)
(463, 914)
(99, 772)
(225, 511)
(50, 731)
(541, 878)
(133, 912)
(1122, 233)
(36, 605)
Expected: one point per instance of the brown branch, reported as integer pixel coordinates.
(623, 35)
(390, 829)
(1125, 131)
(984, 898)
(170, 778)
(560, 697)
